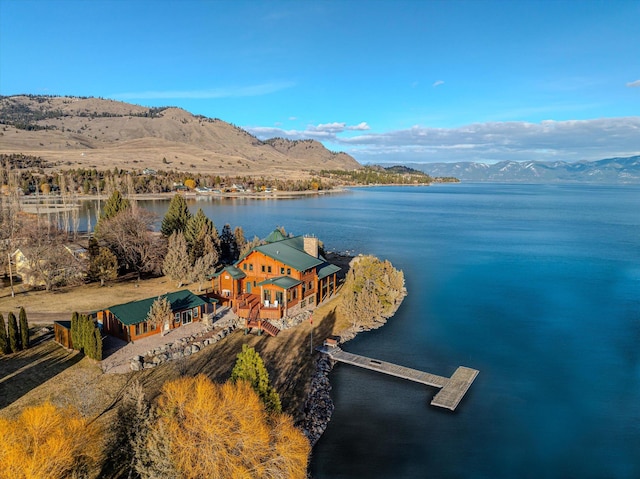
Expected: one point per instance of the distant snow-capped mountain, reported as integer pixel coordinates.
(611, 170)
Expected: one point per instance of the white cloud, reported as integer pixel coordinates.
(572, 140)
(359, 127)
(634, 84)
(438, 83)
(227, 92)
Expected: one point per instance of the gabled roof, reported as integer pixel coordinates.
(285, 282)
(234, 272)
(136, 311)
(327, 269)
(286, 252)
(275, 235)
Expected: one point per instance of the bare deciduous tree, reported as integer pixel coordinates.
(130, 236)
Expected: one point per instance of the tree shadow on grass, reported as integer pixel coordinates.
(26, 370)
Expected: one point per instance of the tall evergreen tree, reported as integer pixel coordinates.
(24, 329)
(114, 205)
(239, 242)
(177, 216)
(76, 338)
(227, 244)
(197, 223)
(176, 263)
(4, 342)
(250, 367)
(13, 333)
(98, 344)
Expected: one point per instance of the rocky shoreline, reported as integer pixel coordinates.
(318, 406)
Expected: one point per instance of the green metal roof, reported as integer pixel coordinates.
(136, 311)
(275, 235)
(284, 252)
(327, 269)
(234, 272)
(285, 282)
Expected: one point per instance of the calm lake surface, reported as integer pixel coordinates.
(536, 286)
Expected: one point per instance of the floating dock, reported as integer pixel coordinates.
(452, 389)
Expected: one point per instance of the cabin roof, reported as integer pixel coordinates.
(136, 312)
(285, 282)
(234, 272)
(327, 269)
(288, 252)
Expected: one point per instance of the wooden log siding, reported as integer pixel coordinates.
(62, 333)
(129, 322)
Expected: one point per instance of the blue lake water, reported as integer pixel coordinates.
(536, 286)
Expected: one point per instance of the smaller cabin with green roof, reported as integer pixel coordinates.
(129, 321)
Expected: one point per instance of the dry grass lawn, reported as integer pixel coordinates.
(49, 372)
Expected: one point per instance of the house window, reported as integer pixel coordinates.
(254, 284)
(282, 270)
(196, 312)
(186, 317)
(303, 303)
(244, 266)
(310, 299)
(153, 326)
(268, 269)
(145, 327)
(310, 285)
(176, 318)
(295, 293)
(288, 270)
(263, 268)
(251, 267)
(137, 329)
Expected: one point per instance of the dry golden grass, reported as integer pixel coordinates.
(174, 139)
(48, 372)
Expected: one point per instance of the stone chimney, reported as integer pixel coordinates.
(311, 246)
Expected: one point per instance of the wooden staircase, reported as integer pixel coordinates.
(262, 325)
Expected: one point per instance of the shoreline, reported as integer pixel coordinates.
(318, 406)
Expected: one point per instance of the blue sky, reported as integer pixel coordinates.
(386, 81)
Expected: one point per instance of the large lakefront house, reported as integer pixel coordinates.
(283, 277)
(129, 321)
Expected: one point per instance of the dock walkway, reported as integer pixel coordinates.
(452, 389)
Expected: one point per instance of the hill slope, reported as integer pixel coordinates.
(611, 170)
(96, 133)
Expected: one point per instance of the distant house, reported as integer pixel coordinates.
(128, 321)
(280, 278)
(34, 270)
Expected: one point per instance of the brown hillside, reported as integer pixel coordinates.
(98, 133)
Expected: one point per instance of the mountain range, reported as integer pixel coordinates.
(610, 170)
(86, 132)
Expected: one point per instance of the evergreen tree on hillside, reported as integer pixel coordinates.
(250, 367)
(24, 329)
(14, 334)
(177, 216)
(4, 342)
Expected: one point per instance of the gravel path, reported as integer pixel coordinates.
(118, 354)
